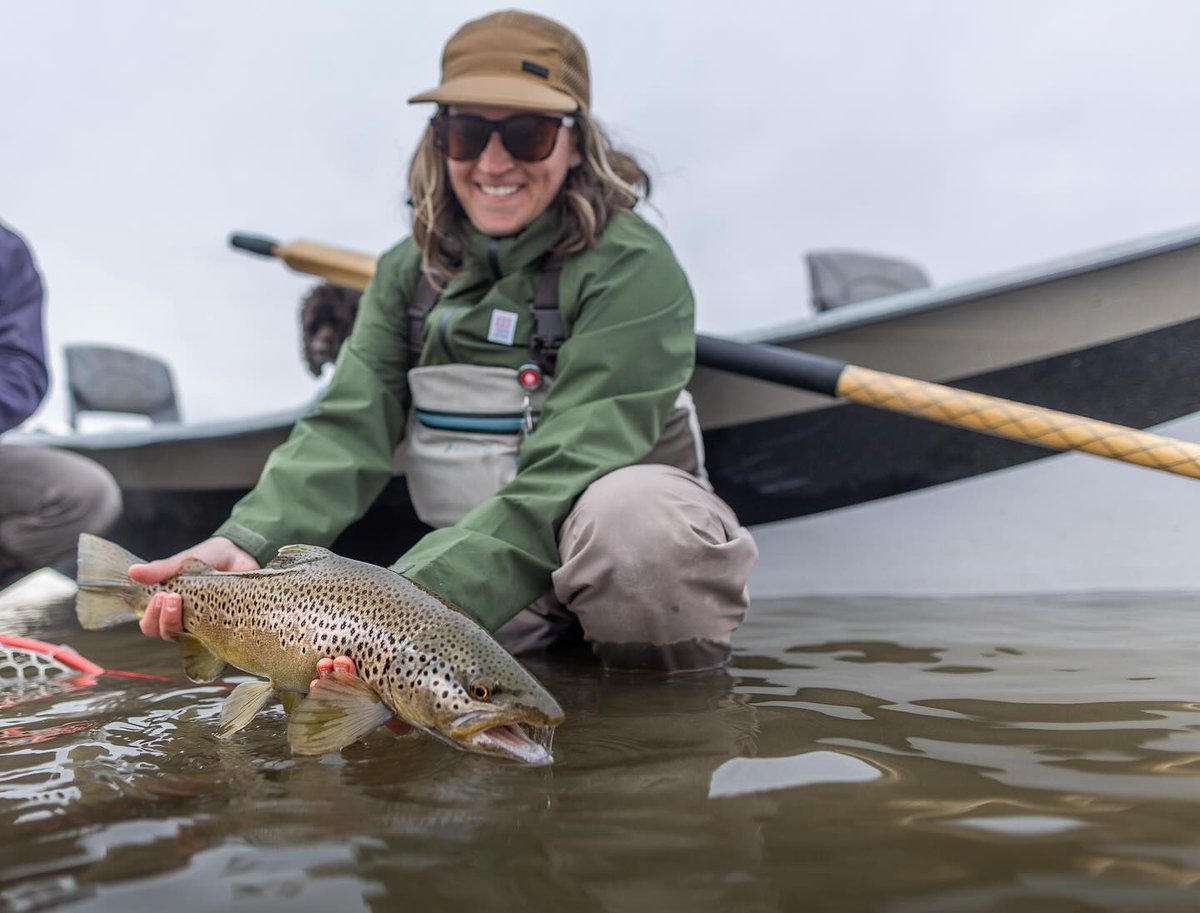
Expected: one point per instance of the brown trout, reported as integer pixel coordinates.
(417, 658)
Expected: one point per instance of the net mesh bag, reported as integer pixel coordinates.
(29, 661)
(18, 665)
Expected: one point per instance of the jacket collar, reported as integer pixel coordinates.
(491, 258)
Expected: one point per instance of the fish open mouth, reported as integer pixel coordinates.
(519, 741)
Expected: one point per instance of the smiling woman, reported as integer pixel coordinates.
(504, 184)
(511, 146)
(530, 344)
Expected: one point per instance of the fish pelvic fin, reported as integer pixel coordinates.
(106, 595)
(340, 710)
(242, 706)
(290, 700)
(200, 664)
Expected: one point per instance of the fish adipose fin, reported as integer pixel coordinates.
(340, 710)
(107, 596)
(242, 706)
(199, 663)
(291, 555)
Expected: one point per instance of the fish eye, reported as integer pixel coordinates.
(480, 691)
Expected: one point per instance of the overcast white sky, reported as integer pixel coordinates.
(969, 137)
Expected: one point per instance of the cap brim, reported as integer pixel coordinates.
(501, 92)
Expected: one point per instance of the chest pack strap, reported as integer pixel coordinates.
(547, 335)
(425, 296)
(545, 339)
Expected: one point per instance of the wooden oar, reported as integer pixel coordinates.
(341, 267)
(935, 402)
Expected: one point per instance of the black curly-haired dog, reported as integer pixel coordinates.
(326, 318)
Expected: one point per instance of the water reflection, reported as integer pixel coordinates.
(741, 776)
(874, 754)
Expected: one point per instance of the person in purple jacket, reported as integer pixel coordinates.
(47, 497)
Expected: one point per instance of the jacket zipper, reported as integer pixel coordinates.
(493, 255)
(493, 258)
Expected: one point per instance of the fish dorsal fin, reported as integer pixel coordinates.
(291, 555)
(199, 663)
(339, 710)
(194, 567)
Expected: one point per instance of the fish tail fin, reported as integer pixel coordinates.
(107, 596)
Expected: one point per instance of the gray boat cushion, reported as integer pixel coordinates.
(841, 277)
(108, 379)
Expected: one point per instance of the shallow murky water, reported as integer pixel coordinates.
(872, 754)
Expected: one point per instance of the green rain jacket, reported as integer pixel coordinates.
(627, 311)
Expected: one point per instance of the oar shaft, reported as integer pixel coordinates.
(341, 267)
(773, 363)
(1017, 421)
(948, 405)
(951, 406)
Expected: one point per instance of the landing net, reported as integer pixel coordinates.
(25, 660)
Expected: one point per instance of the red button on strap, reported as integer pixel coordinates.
(529, 377)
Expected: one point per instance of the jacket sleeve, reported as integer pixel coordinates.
(338, 458)
(629, 352)
(23, 374)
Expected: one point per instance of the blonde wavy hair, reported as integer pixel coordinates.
(607, 180)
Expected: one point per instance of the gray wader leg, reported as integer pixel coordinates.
(654, 570)
(47, 498)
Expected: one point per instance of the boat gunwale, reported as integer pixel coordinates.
(165, 433)
(860, 314)
(903, 304)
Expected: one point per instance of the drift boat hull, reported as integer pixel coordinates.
(1110, 335)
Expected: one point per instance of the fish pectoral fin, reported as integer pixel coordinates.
(290, 700)
(340, 710)
(241, 707)
(200, 664)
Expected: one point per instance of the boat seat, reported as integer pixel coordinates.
(841, 277)
(109, 379)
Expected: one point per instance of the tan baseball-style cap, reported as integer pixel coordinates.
(513, 59)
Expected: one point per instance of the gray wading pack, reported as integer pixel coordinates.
(467, 422)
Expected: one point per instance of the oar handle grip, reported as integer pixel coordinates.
(255, 244)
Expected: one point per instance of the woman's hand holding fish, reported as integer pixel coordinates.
(344, 664)
(164, 614)
(329, 665)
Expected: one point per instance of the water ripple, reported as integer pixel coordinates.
(998, 779)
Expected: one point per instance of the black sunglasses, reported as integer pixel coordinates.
(527, 137)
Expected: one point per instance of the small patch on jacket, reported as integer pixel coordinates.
(503, 327)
